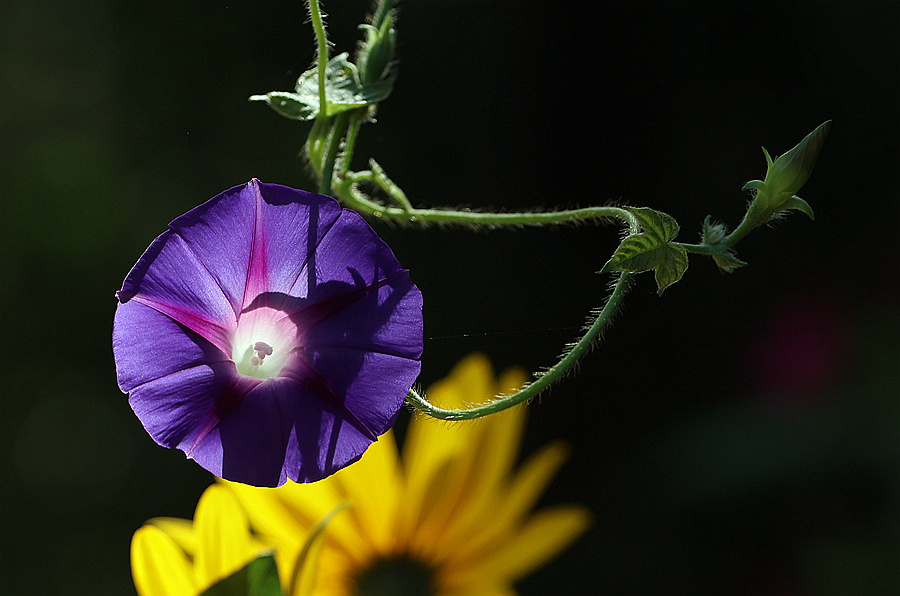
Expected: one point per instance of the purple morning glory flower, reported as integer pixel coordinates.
(268, 334)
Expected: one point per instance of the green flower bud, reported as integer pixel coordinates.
(786, 175)
(376, 54)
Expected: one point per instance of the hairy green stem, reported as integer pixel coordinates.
(700, 249)
(346, 190)
(322, 55)
(541, 383)
(746, 226)
(350, 143)
(335, 138)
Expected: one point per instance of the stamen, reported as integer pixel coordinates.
(262, 350)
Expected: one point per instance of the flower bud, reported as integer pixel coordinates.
(376, 54)
(791, 171)
(786, 175)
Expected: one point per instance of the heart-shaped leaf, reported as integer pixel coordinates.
(651, 249)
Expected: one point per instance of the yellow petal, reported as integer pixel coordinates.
(479, 589)
(285, 514)
(527, 487)
(544, 535)
(498, 515)
(179, 530)
(372, 486)
(158, 566)
(267, 511)
(478, 476)
(421, 526)
(450, 449)
(503, 435)
(224, 543)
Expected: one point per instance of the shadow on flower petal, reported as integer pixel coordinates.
(275, 435)
(330, 400)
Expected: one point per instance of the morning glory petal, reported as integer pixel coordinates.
(350, 253)
(174, 408)
(284, 221)
(225, 256)
(384, 321)
(299, 440)
(169, 278)
(227, 453)
(142, 357)
(372, 371)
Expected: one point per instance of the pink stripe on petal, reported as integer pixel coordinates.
(209, 330)
(257, 269)
(239, 387)
(169, 272)
(295, 224)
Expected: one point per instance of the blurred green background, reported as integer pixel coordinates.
(739, 435)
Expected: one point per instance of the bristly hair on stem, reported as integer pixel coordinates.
(543, 381)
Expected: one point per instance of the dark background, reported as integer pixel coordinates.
(738, 435)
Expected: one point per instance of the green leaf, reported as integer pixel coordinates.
(258, 578)
(651, 249)
(288, 105)
(342, 88)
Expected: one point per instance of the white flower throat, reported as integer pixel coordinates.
(262, 342)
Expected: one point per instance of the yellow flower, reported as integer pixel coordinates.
(449, 518)
(174, 557)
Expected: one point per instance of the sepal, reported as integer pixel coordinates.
(799, 204)
(712, 236)
(713, 232)
(726, 261)
(755, 184)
